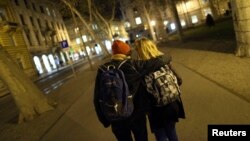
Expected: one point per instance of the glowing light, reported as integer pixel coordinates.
(172, 26)
(153, 23)
(183, 23)
(194, 19)
(138, 20)
(52, 61)
(165, 22)
(108, 45)
(46, 63)
(38, 64)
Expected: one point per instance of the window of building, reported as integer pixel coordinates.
(194, 19)
(2, 15)
(41, 9)
(135, 10)
(165, 22)
(20, 63)
(172, 26)
(53, 25)
(84, 37)
(22, 20)
(38, 40)
(48, 12)
(29, 38)
(58, 25)
(17, 2)
(34, 6)
(26, 4)
(76, 29)
(138, 20)
(207, 11)
(39, 23)
(54, 13)
(183, 23)
(127, 24)
(62, 26)
(204, 1)
(47, 24)
(78, 41)
(94, 26)
(32, 21)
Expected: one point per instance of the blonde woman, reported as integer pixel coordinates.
(162, 119)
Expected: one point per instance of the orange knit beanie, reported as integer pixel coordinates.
(119, 47)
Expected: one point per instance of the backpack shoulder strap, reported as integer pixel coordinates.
(121, 63)
(103, 68)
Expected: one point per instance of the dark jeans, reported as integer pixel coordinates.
(168, 133)
(122, 130)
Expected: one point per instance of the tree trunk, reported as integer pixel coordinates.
(177, 19)
(213, 9)
(151, 29)
(241, 18)
(86, 26)
(29, 99)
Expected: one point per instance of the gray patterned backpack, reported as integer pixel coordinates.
(163, 85)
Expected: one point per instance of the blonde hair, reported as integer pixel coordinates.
(147, 49)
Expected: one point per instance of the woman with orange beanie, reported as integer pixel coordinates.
(136, 123)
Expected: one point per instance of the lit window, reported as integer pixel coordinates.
(172, 26)
(165, 22)
(207, 11)
(54, 13)
(76, 29)
(52, 61)
(194, 19)
(127, 24)
(84, 37)
(94, 26)
(78, 41)
(138, 20)
(153, 23)
(88, 49)
(38, 64)
(46, 63)
(48, 12)
(204, 1)
(183, 23)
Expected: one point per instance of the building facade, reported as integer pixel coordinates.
(82, 42)
(44, 32)
(12, 40)
(191, 13)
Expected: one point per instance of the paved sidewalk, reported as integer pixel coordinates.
(206, 102)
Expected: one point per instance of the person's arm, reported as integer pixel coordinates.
(179, 79)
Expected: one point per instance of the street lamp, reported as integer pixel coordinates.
(153, 23)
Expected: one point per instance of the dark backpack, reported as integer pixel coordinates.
(163, 85)
(116, 101)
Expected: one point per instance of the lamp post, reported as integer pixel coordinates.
(153, 24)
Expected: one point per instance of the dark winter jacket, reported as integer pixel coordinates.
(133, 79)
(159, 115)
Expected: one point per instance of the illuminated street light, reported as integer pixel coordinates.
(153, 23)
(165, 22)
